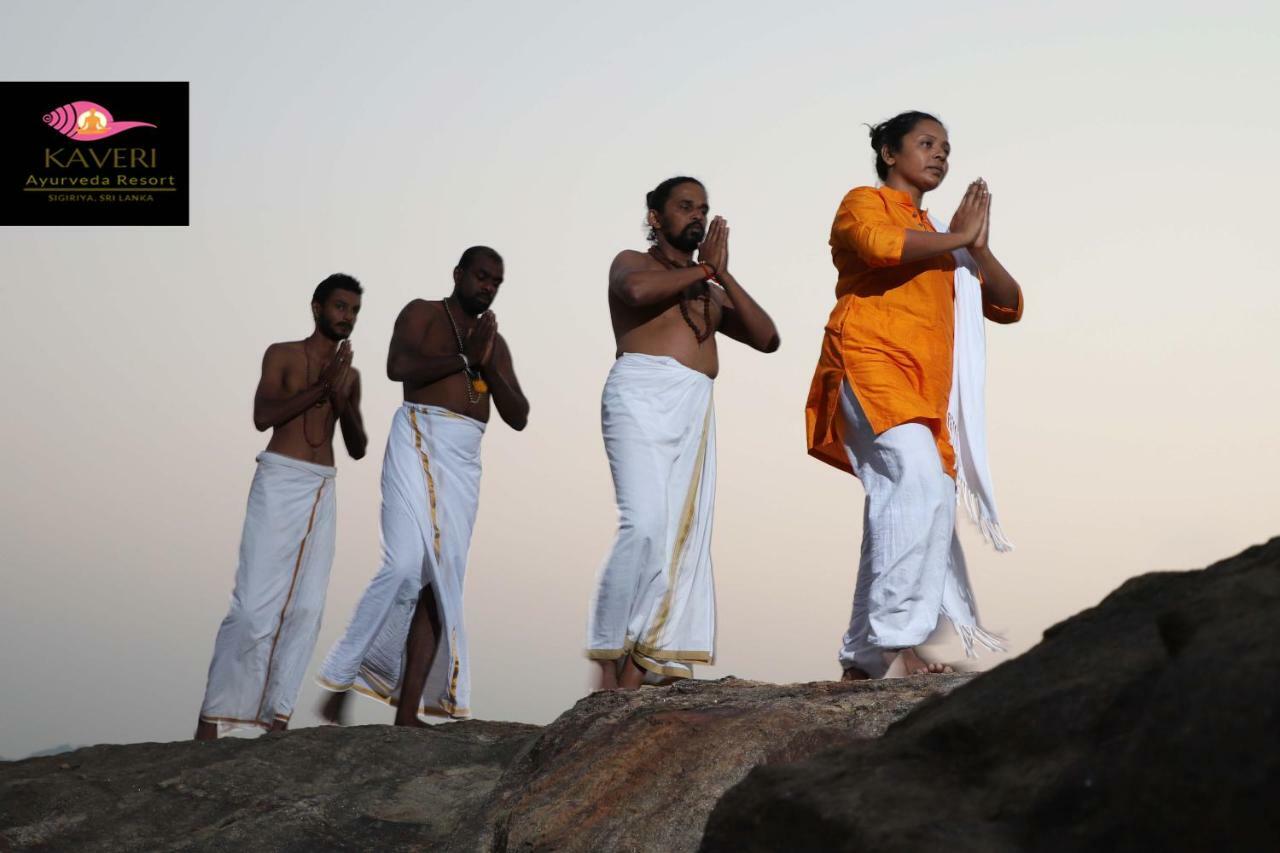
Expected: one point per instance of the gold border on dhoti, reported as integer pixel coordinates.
(236, 721)
(293, 582)
(386, 698)
(682, 534)
(431, 482)
(659, 668)
(692, 655)
(455, 669)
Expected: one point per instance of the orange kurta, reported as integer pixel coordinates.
(891, 332)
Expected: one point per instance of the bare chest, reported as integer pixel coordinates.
(446, 337)
(301, 371)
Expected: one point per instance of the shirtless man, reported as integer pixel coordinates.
(654, 608)
(406, 644)
(286, 550)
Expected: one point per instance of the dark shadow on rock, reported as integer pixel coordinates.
(1149, 722)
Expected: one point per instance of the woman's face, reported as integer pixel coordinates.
(922, 161)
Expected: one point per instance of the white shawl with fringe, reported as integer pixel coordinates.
(966, 410)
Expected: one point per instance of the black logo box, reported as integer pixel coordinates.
(25, 138)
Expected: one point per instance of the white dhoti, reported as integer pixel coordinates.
(286, 550)
(430, 492)
(655, 597)
(912, 568)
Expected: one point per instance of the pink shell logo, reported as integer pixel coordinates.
(85, 121)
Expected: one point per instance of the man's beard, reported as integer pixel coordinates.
(332, 333)
(688, 239)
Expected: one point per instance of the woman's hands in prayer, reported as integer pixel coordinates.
(979, 243)
(1001, 295)
(971, 219)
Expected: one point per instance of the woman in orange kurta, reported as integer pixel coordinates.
(877, 406)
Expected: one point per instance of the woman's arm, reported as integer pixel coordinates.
(1001, 293)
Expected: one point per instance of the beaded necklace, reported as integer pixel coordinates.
(703, 297)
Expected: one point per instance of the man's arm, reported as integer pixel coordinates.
(500, 375)
(346, 405)
(743, 318)
(634, 281)
(405, 361)
(273, 406)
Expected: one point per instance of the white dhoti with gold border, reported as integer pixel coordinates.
(286, 550)
(430, 493)
(655, 596)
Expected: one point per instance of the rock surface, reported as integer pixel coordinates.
(641, 771)
(619, 771)
(364, 788)
(1150, 722)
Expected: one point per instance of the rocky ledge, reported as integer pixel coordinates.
(1146, 723)
(618, 771)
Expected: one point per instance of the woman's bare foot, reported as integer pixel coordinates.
(331, 709)
(905, 662)
(206, 731)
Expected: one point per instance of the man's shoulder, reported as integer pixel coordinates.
(421, 304)
(633, 258)
(284, 349)
(422, 310)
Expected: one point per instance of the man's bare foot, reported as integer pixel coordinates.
(607, 677)
(631, 676)
(206, 731)
(904, 662)
(407, 715)
(331, 709)
(853, 673)
(279, 726)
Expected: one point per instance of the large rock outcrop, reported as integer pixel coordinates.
(1149, 722)
(642, 770)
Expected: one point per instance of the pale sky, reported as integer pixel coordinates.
(1130, 149)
